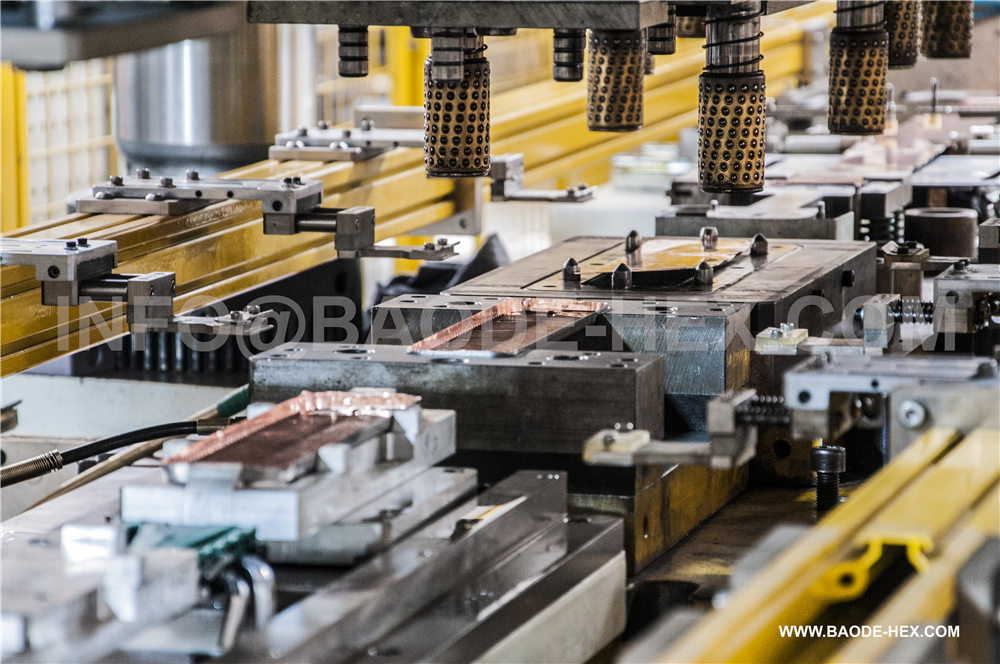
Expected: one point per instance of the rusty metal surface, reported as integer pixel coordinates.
(511, 326)
(335, 404)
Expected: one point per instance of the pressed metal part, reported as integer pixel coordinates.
(305, 416)
(510, 327)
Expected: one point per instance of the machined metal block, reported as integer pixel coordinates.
(568, 614)
(346, 616)
(286, 511)
(544, 401)
(811, 280)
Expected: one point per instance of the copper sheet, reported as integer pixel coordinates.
(508, 335)
(663, 254)
(338, 404)
(295, 438)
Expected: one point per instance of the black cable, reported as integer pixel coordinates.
(182, 428)
(53, 461)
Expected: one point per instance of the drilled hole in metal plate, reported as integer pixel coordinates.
(570, 357)
(355, 351)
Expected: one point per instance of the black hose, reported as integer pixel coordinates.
(182, 428)
(53, 461)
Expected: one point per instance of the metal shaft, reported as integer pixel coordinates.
(731, 96)
(661, 39)
(859, 58)
(568, 47)
(352, 51)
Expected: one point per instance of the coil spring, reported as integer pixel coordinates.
(734, 17)
(912, 310)
(855, 8)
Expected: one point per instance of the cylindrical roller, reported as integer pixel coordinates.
(947, 29)
(904, 25)
(945, 231)
(731, 132)
(661, 39)
(352, 50)
(859, 54)
(457, 120)
(692, 27)
(568, 48)
(731, 97)
(614, 80)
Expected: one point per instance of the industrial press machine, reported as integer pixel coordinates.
(749, 415)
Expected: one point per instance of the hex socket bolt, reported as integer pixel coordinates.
(828, 462)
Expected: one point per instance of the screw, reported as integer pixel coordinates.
(302, 130)
(774, 333)
(366, 124)
(787, 329)
(166, 182)
(70, 244)
(296, 180)
(153, 197)
(82, 242)
(429, 245)
(322, 124)
(117, 180)
(442, 242)
(962, 265)
(103, 196)
(142, 173)
(193, 175)
(912, 414)
(828, 462)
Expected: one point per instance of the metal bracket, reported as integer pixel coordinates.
(321, 143)
(728, 443)
(429, 251)
(289, 206)
(76, 271)
(507, 175)
(142, 194)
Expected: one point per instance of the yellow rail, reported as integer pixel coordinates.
(916, 509)
(220, 251)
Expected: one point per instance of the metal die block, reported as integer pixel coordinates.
(567, 614)
(551, 400)
(295, 510)
(380, 523)
(372, 600)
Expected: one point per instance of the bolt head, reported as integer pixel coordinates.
(828, 459)
(912, 414)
